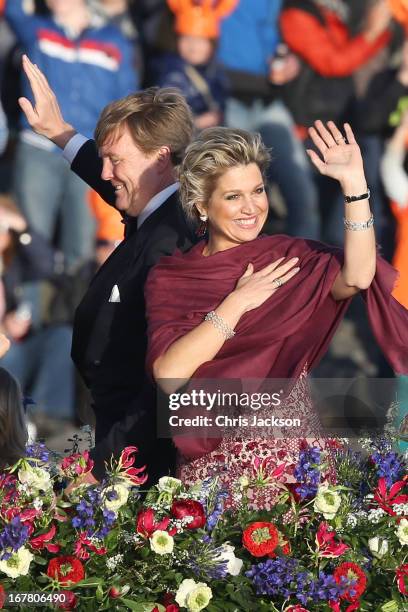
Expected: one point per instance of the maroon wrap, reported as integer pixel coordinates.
(291, 330)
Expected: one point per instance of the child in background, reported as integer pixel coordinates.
(194, 69)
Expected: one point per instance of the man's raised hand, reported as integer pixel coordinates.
(45, 116)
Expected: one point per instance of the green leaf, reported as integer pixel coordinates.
(143, 606)
(89, 582)
(39, 560)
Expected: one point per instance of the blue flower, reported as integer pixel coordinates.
(307, 472)
(14, 535)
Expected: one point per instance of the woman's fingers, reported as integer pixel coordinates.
(285, 277)
(315, 159)
(337, 135)
(324, 133)
(269, 268)
(349, 134)
(282, 269)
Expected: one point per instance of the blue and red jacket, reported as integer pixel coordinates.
(86, 72)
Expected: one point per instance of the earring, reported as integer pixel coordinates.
(202, 228)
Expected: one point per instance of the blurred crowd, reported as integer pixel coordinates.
(269, 66)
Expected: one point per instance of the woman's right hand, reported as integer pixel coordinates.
(254, 288)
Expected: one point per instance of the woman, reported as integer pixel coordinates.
(245, 306)
(13, 430)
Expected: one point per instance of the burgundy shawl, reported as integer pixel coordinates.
(290, 331)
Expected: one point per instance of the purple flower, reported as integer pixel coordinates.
(14, 535)
(389, 466)
(38, 450)
(307, 472)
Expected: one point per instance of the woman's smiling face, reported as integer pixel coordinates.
(237, 208)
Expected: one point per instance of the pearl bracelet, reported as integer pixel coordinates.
(220, 324)
(356, 226)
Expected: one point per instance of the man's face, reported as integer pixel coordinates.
(134, 174)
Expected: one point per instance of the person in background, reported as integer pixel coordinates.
(89, 63)
(394, 172)
(39, 355)
(13, 428)
(257, 70)
(194, 68)
(109, 228)
(319, 32)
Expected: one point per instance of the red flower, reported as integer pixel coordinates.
(170, 608)
(70, 602)
(189, 507)
(76, 465)
(146, 525)
(347, 572)
(292, 486)
(296, 608)
(83, 542)
(388, 499)
(2, 595)
(66, 570)
(44, 541)
(126, 461)
(284, 545)
(401, 575)
(260, 538)
(326, 544)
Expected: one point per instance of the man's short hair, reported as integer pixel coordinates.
(155, 117)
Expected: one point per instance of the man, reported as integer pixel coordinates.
(88, 63)
(140, 138)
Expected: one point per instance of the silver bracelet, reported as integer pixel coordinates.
(220, 324)
(356, 226)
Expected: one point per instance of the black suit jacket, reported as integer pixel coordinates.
(109, 339)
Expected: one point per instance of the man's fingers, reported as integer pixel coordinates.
(28, 110)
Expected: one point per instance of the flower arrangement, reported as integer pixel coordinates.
(338, 545)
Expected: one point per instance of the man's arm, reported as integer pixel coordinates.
(45, 118)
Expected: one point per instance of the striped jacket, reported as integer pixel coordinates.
(86, 71)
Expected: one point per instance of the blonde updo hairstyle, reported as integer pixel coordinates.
(212, 153)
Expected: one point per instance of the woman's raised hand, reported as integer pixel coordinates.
(254, 288)
(340, 155)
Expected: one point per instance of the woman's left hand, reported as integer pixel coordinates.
(340, 155)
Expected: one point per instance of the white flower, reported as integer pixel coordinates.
(378, 546)
(402, 532)
(244, 482)
(169, 484)
(18, 564)
(112, 562)
(199, 598)
(35, 478)
(194, 596)
(234, 564)
(327, 501)
(161, 542)
(119, 495)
